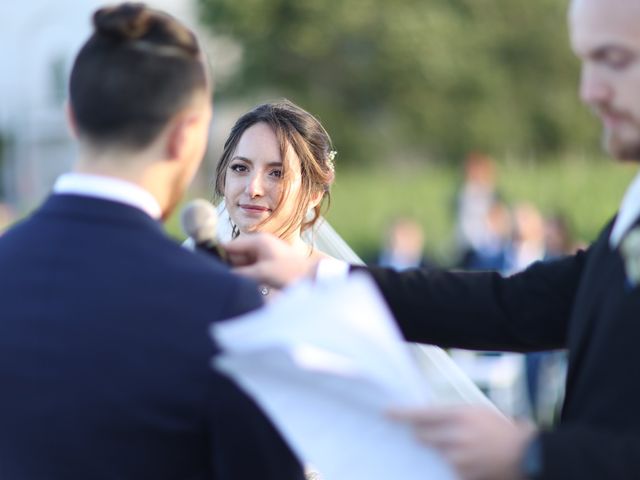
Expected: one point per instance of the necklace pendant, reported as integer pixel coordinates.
(264, 291)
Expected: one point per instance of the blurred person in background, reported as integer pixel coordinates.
(528, 242)
(546, 371)
(474, 201)
(403, 245)
(528, 246)
(104, 347)
(558, 237)
(494, 251)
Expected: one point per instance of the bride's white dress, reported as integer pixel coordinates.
(449, 383)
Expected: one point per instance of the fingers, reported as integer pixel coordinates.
(260, 272)
(478, 442)
(426, 416)
(437, 427)
(445, 438)
(244, 244)
(443, 429)
(239, 259)
(248, 249)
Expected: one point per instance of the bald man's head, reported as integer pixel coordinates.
(606, 37)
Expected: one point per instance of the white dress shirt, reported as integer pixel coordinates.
(628, 213)
(108, 188)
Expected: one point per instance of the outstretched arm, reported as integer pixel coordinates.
(483, 310)
(476, 310)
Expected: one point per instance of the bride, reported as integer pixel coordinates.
(275, 173)
(274, 176)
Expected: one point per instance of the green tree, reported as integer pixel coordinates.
(414, 79)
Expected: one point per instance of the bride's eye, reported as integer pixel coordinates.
(238, 168)
(276, 173)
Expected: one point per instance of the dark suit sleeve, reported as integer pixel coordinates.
(243, 298)
(589, 453)
(245, 444)
(483, 310)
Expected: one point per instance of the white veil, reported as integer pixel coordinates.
(449, 383)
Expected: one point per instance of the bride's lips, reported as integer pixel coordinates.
(254, 209)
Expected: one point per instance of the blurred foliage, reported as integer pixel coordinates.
(413, 79)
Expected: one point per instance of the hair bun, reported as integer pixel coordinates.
(128, 21)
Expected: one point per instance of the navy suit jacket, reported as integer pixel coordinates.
(105, 355)
(584, 303)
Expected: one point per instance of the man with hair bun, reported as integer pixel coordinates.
(104, 348)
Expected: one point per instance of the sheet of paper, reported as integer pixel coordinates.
(325, 362)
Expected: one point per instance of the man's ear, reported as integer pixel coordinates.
(72, 124)
(179, 134)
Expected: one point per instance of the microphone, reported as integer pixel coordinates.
(199, 221)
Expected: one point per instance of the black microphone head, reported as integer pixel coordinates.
(199, 221)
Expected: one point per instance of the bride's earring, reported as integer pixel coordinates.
(309, 214)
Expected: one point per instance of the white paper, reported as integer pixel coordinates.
(325, 362)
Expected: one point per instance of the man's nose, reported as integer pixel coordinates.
(594, 87)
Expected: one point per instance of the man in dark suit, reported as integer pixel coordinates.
(104, 348)
(588, 303)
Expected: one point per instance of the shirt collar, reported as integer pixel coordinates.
(108, 188)
(628, 213)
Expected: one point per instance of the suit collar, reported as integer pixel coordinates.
(90, 209)
(628, 213)
(108, 188)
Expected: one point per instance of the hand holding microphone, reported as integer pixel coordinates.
(199, 221)
(261, 256)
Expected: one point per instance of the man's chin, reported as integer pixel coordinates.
(628, 151)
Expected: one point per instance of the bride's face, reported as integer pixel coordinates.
(254, 182)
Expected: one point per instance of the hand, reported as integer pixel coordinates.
(478, 442)
(269, 260)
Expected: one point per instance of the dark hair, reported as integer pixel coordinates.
(296, 127)
(139, 67)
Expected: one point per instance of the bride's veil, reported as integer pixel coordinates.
(449, 383)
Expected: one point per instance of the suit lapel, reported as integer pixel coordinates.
(602, 285)
(601, 273)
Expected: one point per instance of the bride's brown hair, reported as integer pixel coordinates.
(295, 127)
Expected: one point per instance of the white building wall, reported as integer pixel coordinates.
(38, 42)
